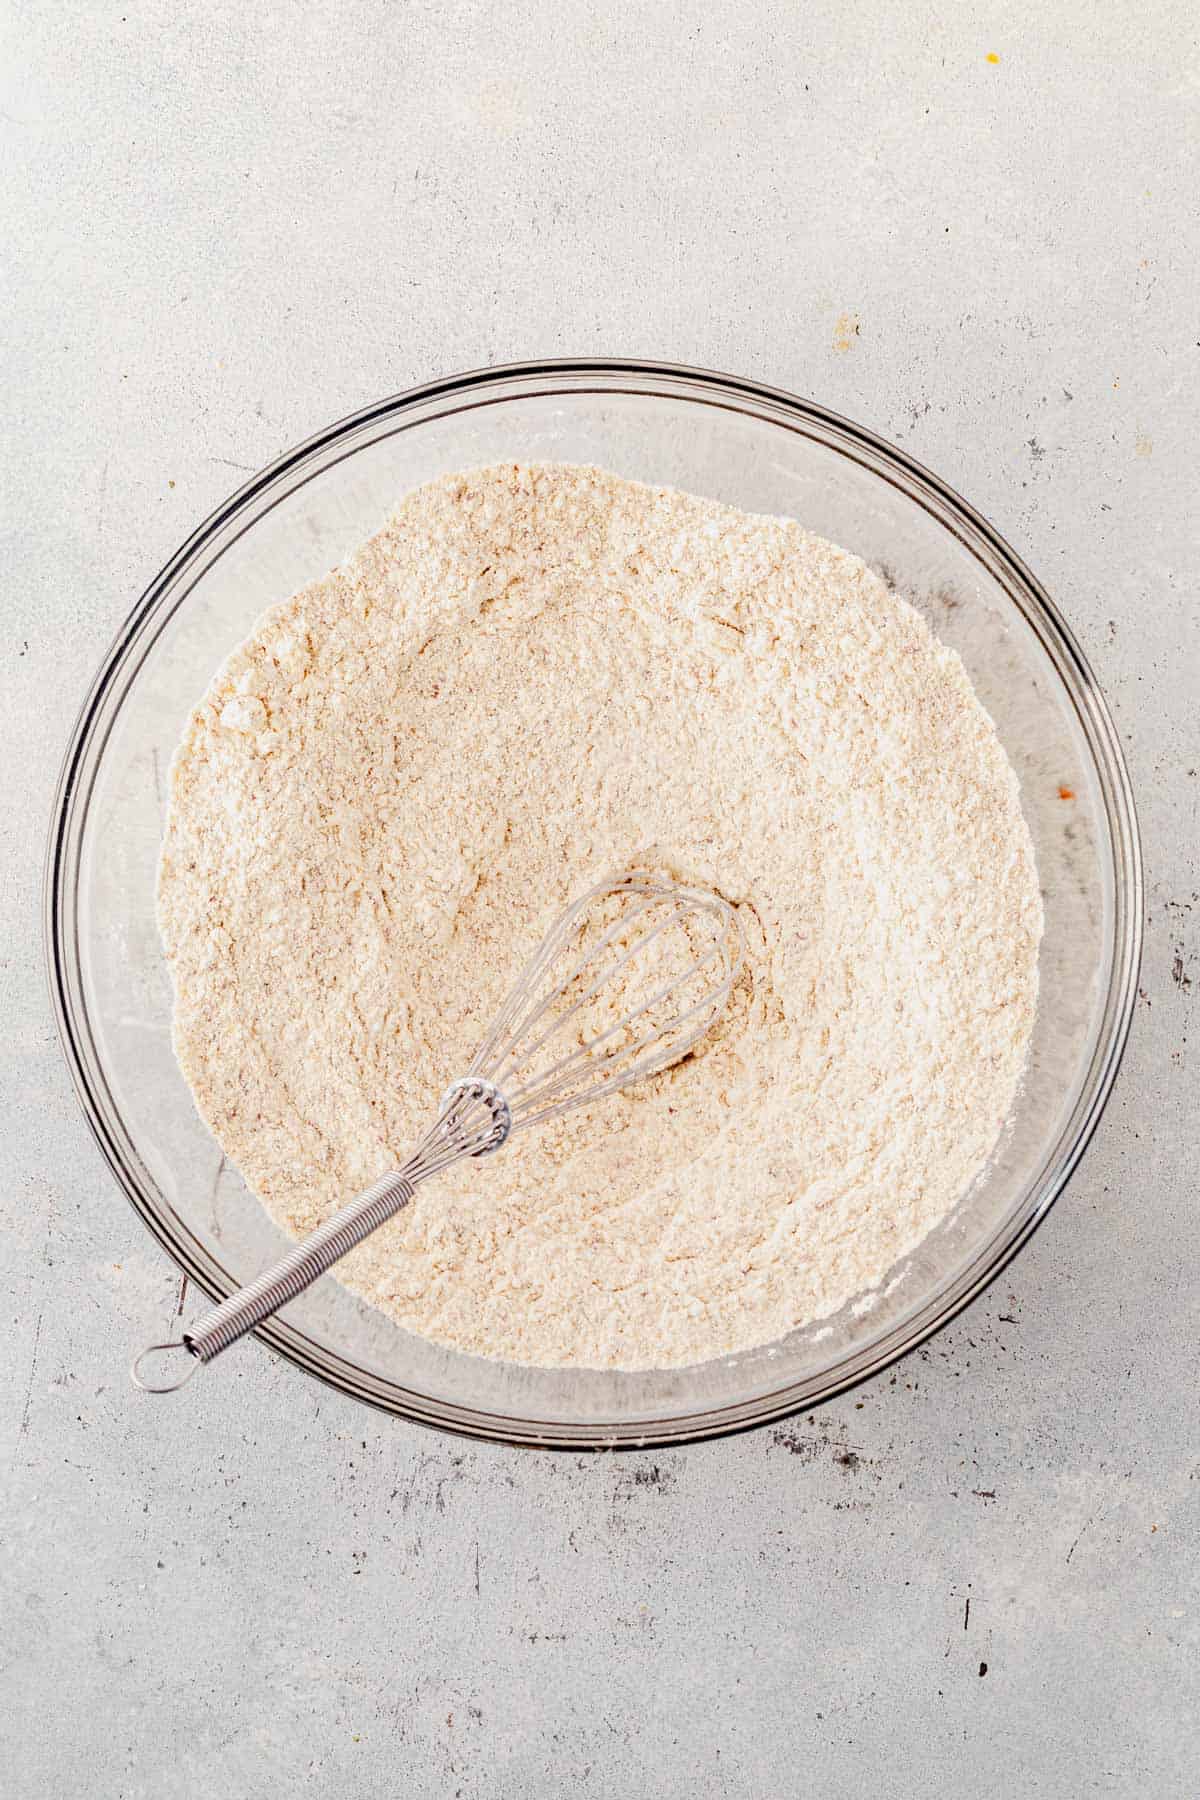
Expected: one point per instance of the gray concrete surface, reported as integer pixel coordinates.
(227, 225)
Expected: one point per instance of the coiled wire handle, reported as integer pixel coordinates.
(475, 1118)
(226, 1323)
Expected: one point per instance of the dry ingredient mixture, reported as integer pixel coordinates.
(531, 678)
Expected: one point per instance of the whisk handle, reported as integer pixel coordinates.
(234, 1317)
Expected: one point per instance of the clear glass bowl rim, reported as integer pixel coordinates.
(602, 376)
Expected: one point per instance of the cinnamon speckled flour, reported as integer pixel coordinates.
(530, 679)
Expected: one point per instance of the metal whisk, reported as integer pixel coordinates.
(629, 980)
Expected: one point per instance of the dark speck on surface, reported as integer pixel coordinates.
(655, 1479)
(652, 1477)
(805, 1448)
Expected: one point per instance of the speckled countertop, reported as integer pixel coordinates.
(972, 229)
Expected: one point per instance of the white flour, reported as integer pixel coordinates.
(532, 678)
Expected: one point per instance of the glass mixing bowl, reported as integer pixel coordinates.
(710, 434)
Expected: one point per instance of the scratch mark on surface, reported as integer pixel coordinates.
(967, 1613)
(1084, 1527)
(246, 468)
(212, 1198)
(158, 793)
(182, 1297)
(37, 1335)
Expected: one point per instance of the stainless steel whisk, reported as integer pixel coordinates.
(627, 982)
